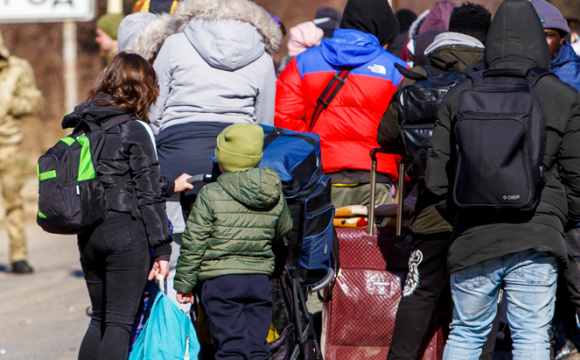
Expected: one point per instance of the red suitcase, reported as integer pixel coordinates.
(358, 322)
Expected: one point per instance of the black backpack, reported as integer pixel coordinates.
(500, 137)
(418, 104)
(71, 198)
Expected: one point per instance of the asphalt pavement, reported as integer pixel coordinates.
(42, 315)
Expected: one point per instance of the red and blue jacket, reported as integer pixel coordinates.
(348, 127)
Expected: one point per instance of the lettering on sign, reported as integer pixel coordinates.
(12, 11)
(42, 2)
(54, 2)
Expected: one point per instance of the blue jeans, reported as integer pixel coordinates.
(529, 280)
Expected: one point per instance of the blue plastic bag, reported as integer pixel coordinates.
(147, 300)
(167, 334)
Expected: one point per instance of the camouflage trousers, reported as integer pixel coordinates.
(11, 181)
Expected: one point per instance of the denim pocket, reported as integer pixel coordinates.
(546, 275)
(116, 236)
(469, 279)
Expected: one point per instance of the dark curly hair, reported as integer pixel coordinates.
(470, 19)
(129, 82)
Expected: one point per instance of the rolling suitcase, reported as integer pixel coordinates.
(359, 319)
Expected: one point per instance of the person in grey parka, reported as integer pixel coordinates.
(214, 67)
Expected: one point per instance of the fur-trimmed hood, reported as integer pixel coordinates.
(151, 38)
(436, 18)
(414, 28)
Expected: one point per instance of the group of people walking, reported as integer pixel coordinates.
(197, 83)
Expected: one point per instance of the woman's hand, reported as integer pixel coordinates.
(181, 183)
(159, 267)
(185, 298)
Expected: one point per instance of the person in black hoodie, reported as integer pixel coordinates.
(427, 284)
(522, 255)
(115, 254)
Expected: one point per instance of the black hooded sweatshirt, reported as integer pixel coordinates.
(373, 17)
(515, 40)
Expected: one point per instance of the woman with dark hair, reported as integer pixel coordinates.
(115, 254)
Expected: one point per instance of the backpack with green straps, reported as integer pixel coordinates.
(71, 198)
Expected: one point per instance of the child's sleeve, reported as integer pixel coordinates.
(195, 241)
(284, 224)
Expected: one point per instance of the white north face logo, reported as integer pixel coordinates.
(379, 69)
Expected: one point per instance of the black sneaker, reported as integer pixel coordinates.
(22, 267)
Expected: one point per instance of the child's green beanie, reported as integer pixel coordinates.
(109, 23)
(239, 146)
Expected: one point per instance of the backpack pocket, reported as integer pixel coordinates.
(417, 140)
(315, 256)
(493, 166)
(54, 194)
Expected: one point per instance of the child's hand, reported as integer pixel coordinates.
(181, 183)
(185, 298)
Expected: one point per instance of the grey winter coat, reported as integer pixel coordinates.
(213, 64)
(516, 41)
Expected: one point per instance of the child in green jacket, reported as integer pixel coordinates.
(227, 244)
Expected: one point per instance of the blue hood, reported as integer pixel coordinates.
(350, 48)
(565, 55)
(567, 65)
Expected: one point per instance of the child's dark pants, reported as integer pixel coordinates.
(239, 309)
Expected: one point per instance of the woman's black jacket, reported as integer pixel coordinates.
(129, 149)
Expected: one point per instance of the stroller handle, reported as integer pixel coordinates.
(206, 178)
(324, 282)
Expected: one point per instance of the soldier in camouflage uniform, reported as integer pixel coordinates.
(18, 97)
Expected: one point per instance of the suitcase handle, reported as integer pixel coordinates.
(400, 199)
(371, 215)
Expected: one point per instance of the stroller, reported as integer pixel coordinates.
(306, 259)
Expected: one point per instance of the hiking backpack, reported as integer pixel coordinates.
(500, 137)
(296, 158)
(308, 256)
(418, 104)
(71, 198)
